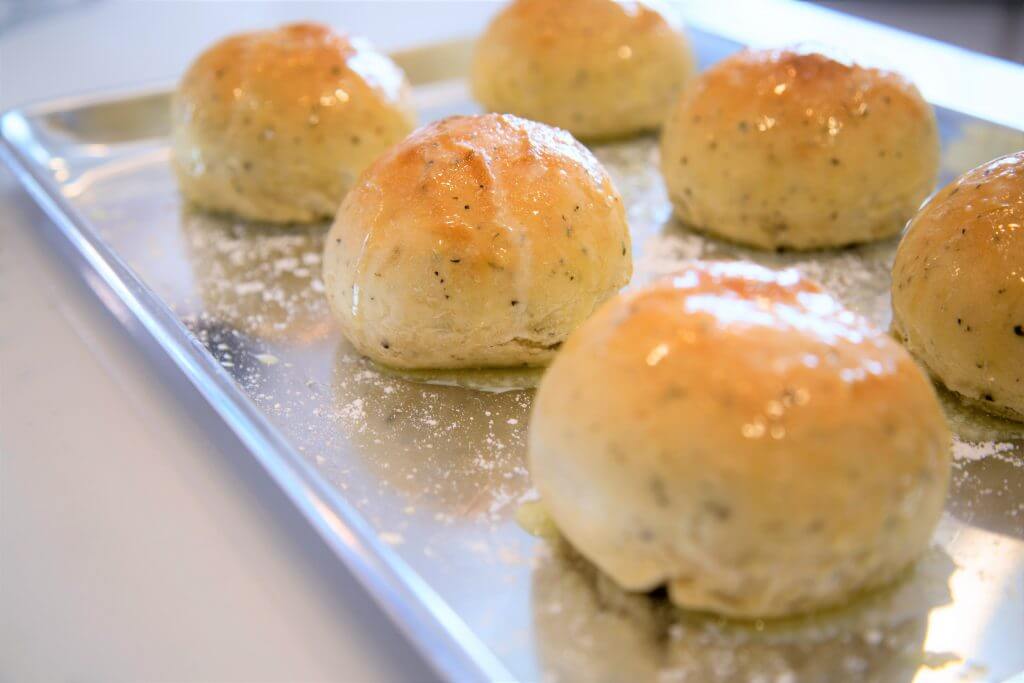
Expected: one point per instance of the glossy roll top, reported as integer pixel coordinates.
(276, 125)
(734, 433)
(958, 286)
(781, 148)
(597, 68)
(478, 241)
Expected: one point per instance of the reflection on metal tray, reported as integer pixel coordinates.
(416, 486)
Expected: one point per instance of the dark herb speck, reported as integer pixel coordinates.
(659, 493)
(718, 510)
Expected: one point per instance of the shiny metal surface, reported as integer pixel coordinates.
(417, 486)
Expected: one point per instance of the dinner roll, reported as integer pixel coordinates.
(276, 125)
(958, 286)
(597, 68)
(736, 434)
(479, 241)
(783, 149)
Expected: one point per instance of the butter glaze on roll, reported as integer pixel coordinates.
(596, 68)
(784, 149)
(958, 286)
(276, 125)
(479, 241)
(736, 434)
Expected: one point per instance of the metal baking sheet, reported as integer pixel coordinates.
(418, 486)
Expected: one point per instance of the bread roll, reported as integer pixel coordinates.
(479, 241)
(736, 434)
(781, 149)
(597, 68)
(276, 125)
(958, 286)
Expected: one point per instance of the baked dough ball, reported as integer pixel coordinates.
(479, 241)
(958, 286)
(781, 149)
(276, 125)
(736, 434)
(597, 68)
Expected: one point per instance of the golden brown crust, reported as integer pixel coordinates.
(597, 68)
(755, 446)
(778, 148)
(958, 286)
(478, 241)
(275, 125)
